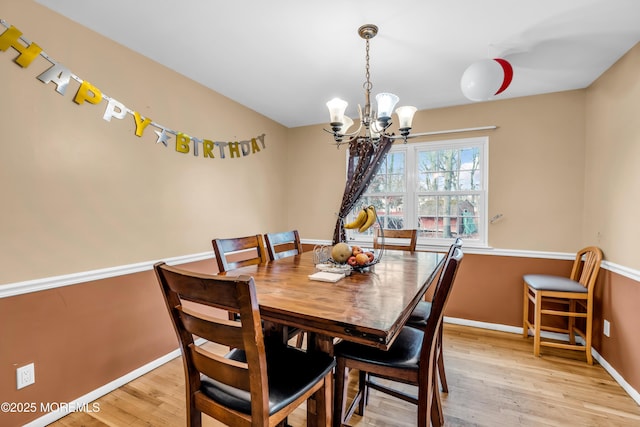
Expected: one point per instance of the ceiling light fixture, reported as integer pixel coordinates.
(375, 125)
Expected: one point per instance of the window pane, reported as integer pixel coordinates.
(391, 175)
(467, 180)
(391, 212)
(469, 158)
(448, 216)
(449, 169)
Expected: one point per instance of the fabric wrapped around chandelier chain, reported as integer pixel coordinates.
(365, 159)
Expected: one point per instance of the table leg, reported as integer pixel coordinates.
(320, 406)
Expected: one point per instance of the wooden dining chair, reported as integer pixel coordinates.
(569, 298)
(238, 252)
(411, 359)
(419, 318)
(283, 244)
(253, 385)
(404, 240)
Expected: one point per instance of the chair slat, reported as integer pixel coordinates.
(227, 371)
(403, 240)
(283, 244)
(239, 252)
(198, 288)
(222, 331)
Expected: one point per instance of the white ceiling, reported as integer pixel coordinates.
(286, 58)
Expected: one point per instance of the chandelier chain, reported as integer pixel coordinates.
(367, 84)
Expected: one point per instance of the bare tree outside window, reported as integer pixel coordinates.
(444, 175)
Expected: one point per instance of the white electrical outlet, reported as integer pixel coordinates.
(607, 328)
(25, 375)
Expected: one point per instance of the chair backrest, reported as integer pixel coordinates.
(234, 294)
(404, 240)
(439, 302)
(246, 251)
(456, 244)
(283, 244)
(586, 266)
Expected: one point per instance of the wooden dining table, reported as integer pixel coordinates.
(368, 307)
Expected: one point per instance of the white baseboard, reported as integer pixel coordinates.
(83, 401)
(616, 376)
(518, 330)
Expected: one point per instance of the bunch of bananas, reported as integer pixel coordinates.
(365, 219)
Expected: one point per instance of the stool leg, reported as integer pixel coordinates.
(537, 323)
(525, 312)
(587, 332)
(572, 322)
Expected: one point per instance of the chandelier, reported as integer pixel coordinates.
(372, 126)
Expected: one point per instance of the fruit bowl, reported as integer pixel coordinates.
(354, 257)
(365, 266)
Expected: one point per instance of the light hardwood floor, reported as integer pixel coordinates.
(494, 380)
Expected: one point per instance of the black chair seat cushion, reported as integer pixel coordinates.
(291, 372)
(404, 352)
(420, 315)
(544, 282)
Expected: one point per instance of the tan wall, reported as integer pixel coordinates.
(80, 193)
(612, 159)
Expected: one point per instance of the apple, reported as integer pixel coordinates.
(370, 255)
(362, 259)
(352, 261)
(355, 250)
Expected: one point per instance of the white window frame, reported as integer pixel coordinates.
(411, 168)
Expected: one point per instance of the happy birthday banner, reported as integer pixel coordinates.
(61, 76)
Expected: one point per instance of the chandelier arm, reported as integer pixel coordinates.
(338, 138)
(344, 134)
(355, 132)
(380, 130)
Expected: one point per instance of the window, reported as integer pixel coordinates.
(440, 188)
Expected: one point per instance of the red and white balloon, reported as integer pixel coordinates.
(486, 78)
